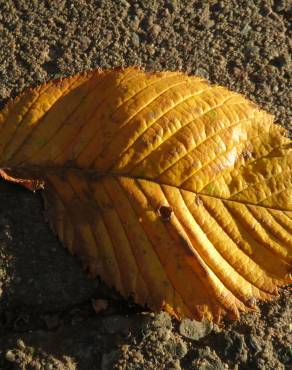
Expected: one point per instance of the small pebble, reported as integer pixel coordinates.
(135, 39)
(20, 344)
(10, 356)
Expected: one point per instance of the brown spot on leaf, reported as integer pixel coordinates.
(165, 212)
(198, 200)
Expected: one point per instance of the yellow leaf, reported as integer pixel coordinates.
(174, 191)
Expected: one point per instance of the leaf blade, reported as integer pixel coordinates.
(158, 179)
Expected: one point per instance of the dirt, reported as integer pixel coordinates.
(47, 319)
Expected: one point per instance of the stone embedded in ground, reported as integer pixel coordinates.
(234, 346)
(195, 330)
(206, 359)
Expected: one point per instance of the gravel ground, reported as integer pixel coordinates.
(47, 320)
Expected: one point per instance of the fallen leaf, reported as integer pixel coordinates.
(174, 191)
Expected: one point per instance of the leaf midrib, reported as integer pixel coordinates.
(36, 174)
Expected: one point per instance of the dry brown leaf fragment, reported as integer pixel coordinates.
(174, 191)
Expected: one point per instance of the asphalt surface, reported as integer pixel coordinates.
(46, 316)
